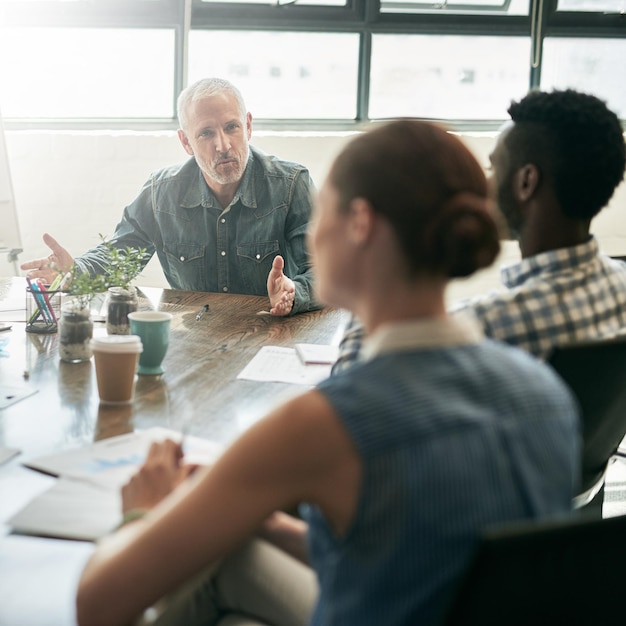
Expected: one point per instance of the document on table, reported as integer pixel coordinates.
(13, 309)
(6, 454)
(283, 365)
(70, 509)
(317, 354)
(111, 462)
(10, 394)
(84, 503)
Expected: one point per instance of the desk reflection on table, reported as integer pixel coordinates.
(199, 392)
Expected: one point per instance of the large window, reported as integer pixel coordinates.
(87, 72)
(458, 7)
(593, 65)
(317, 80)
(315, 63)
(446, 76)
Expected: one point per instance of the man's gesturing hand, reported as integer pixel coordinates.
(280, 289)
(48, 268)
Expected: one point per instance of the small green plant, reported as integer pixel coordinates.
(121, 267)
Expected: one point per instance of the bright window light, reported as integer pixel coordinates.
(602, 6)
(595, 66)
(86, 73)
(282, 75)
(447, 76)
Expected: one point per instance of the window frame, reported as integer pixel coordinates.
(362, 17)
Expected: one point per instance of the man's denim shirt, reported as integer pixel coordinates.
(203, 247)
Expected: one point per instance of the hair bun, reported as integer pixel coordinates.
(464, 237)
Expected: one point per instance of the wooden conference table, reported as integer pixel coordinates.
(199, 392)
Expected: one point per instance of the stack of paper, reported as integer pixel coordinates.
(288, 365)
(85, 502)
(317, 353)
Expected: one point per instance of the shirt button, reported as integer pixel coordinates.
(223, 220)
(182, 258)
(223, 253)
(258, 256)
(224, 288)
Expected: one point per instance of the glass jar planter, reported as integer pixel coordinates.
(75, 331)
(120, 302)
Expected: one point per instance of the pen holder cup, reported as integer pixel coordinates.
(43, 309)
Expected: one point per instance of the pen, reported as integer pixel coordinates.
(59, 282)
(41, 304)
(183, 437)
(44, 291)
(64, 280)
(202, 311)
(56, 282)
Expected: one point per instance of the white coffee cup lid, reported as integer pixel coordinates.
(150, 316)
(117, 343)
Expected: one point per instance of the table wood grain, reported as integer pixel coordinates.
(199, 392)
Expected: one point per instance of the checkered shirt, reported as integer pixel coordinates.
(553, 298)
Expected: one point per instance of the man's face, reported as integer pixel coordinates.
(501, 182)
(218, 135)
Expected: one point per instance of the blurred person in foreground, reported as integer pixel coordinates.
(399, 463)
(230, 219)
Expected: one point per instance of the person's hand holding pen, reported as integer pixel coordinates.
(162, 471)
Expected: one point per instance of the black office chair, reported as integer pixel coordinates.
(596, 373)
(545, 574)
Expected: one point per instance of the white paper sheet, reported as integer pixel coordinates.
(111, 462)
(70, 509)
(282, 365)
(6, 454)
(315, 353)
(10, 394)
(85, 503)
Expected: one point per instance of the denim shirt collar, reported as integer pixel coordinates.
(201, 194)
(559, 260)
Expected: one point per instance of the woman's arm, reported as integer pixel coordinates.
(287, 533)
(298, 453)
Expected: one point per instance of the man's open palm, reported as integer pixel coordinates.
(280, 289)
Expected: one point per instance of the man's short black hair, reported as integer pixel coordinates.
(576, 142)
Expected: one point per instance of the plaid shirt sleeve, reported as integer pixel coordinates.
(350, 346)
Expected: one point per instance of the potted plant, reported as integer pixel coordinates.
(76, 326)
(123, 267)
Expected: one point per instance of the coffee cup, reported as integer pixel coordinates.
(116, 358)
(153, 327)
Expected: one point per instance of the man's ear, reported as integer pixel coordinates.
(361, 225)
(185, 141)
(249, 125)
(526, 182)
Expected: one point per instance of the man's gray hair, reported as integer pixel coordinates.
(202, 89)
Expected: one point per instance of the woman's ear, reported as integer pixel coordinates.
(361, 221)
(526, 182)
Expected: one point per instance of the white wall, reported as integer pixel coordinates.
(75, 185)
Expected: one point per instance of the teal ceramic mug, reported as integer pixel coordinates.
(154, 329)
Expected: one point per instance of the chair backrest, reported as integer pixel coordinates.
(596, 373)
(545, 573)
